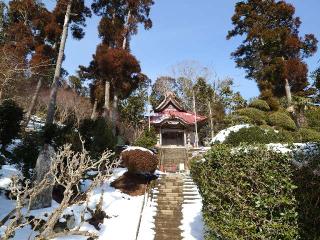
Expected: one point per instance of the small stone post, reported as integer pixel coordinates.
(44, 198)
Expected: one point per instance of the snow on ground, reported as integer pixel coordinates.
(146, 230)
(123, 212)
(222, 135)
(192, 224)
(137, 148)
(35, 123)
(6, 172)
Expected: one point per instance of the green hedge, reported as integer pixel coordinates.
(247, 194)
(257, 116)
(281, 120)
(307, 194)
(313, 118)
(233, 119)
(308, 135)
(258, 135)
(260, 104)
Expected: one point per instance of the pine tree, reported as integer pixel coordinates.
(272, 51)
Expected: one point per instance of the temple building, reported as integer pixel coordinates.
(175, 126)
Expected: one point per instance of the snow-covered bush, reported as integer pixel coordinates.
(223, 134)
(247, 194)
(139, 160)
(260, 104)
(257, 134)
(257, 116)
(10, 117)
(281, 120)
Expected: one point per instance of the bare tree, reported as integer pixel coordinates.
(74, 166)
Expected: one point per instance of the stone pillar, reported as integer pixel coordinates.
(44, 198)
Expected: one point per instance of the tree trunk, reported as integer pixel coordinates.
(107, 100)
(195, 120)
(44, 199)
(94, 110)
(211, 120)
(115, 113)
(57, 73)
(301, 119)
(288, 93)
(0, 95)
(33, 102)
(126, 33)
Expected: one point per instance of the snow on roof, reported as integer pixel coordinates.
(222, 135)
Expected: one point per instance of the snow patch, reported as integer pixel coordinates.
(6, 173)
(222, 135)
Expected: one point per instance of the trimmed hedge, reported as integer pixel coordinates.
(260, 104)
(247, 194)
(257, 116)
(258, 135)
(282, 120)
(307, 194)
(139, 161)
(313, 118)
(308, 135)
(236, 119)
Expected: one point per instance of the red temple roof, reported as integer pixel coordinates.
(171, 109)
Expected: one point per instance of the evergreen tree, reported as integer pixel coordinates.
(272, 51)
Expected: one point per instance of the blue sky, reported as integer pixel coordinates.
(186, 30)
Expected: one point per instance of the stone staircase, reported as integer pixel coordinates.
(171, 193)
(171, 158)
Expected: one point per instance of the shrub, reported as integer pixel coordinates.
(234, 119)
(257, 116)
(139, 160)
(307, 194)
(260, 104)
(281, 120)
(10, 117)
(313, 118)
(26, 153)
(247, 194)
(273, 103)
(97, 135)
(308, 135)
(257, 135)
(147, 139)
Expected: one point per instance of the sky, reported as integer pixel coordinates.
(190, 30)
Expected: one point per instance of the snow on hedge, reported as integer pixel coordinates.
(222, 135)
(137, 148)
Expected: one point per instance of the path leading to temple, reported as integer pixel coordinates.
(173, 193)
